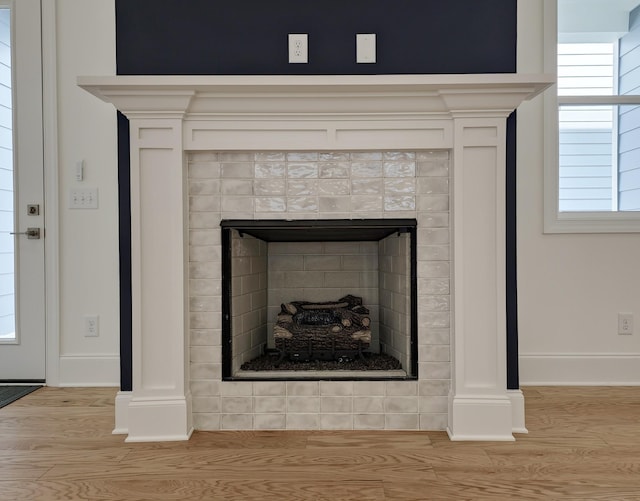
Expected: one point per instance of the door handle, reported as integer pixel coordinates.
(32, 233)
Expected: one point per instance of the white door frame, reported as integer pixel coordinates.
(51, 194)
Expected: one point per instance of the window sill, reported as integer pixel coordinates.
(592, 222)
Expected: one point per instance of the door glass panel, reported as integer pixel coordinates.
(7, 244)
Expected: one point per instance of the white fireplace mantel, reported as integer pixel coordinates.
(171, 115)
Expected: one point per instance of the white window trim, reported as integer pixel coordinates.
(571, 222)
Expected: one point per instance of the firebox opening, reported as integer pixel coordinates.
(354, 279)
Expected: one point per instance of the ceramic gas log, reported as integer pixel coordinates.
(321, 331)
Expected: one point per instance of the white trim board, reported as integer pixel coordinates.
(89, 370)
(580, 369)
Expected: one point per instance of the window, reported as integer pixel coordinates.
(597, 182)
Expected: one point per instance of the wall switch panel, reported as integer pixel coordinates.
(83, 198)
(298, 48)
(366, 48)
(80, 170)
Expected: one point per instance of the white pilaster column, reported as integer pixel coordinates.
(479, 406)
(159, 407)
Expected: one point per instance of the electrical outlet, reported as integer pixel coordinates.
(91, 326)
(298, 48)
(625, 324)
(83, 198)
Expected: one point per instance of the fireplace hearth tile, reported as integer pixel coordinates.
(368, 421)
(401, 422)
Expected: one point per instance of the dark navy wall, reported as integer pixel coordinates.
(250, 36)
(241, 37)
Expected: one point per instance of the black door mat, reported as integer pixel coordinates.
(10, 394)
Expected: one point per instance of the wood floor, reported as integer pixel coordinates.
(583, 443)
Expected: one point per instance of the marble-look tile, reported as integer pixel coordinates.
(433, 236)
(302, 156)
(334, 156)
(204, 187)
(270, 204)
(236, 388)
(237, 171)
(434, 422)
(206, 421)
(334, 170)
(366, 186)
(370, 169)
(399, 203)
(205, 404)
(205, 388)
(333, 187)
(336, 388)
(302, 421)
(202, 156)
(399, 169)
(302, 204)
(237, 204)
(434, 405)
(270, 156)
(368, 405)
(302, 187)
(368, 422)
(273, 405)
(269, 421)
(366, 155)
(336, 404)
(434, 388)
(236, 187)
(204, 337)
(204, 170)
(435, 370)
(399, 155)
(303, 404)
(302, 170)
(438, 168)
(269, 388)
(236, 422)
(236, 156)
(303, 388)
(334, 204)
(434, 185)
(405, 186)
(401, 388)
(336, 422)
(401, 422)
(396, 405)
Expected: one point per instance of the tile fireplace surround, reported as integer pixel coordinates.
(188, 137)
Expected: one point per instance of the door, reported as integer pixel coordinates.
(22, 292)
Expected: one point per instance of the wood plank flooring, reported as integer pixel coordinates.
(583, 444)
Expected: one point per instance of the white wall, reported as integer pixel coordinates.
(85, 31)
(572, 286)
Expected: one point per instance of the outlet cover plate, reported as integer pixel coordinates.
(298, 48)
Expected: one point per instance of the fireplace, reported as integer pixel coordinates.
(324, 299)
(181, 125)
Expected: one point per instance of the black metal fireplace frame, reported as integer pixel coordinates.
(318, 230)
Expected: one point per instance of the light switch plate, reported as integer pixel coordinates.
(366, 48)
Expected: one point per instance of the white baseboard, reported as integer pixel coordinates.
(89, 370)
(123, 398)
(480, 418)
(517, 411)
(569, 369)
